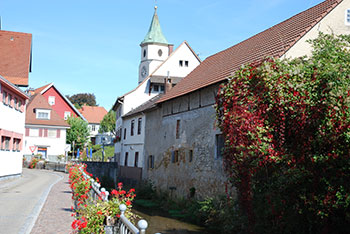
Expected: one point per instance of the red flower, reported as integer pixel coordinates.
(120, 185)
(99, 212)
(128, 203)
(114, 192)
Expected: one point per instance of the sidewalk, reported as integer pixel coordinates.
(55, 216)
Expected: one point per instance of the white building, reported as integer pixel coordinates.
(45, 129)
(94, 115)
(160, 69)
(12, 117)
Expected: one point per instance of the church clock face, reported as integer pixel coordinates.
(143, 72)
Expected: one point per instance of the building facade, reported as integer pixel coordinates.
(12, 118)
(182, 142)
(45, 130)
(160, 69)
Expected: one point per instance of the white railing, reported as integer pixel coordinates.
(124, 226)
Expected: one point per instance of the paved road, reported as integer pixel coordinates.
(21, 200)
(55, 217)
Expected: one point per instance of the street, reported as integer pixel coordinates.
(21, 200)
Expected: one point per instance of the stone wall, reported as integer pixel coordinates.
(101, 169)
(189, 161)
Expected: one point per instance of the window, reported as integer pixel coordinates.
(347, 17)
(34, 132)
(150, 161)
(15, 144)
(4, 97)
(52, 133)
(18, 144)
(42, 115)
(144, 53)
(7, 143)
(93, 128)
(186, 63)
(2, 146)
(160, 53)
(136, 163)
(162, 88)
(190, 156)
(126, 159)
(124, 133)
(219, 145)
(181, 63)
(66, 115)
(156, 88)
(139, 125)
(16, 103)
(20, 105)
(174, 156)
(51, 100)
(9, 100)
(178, 129)
(132, 127)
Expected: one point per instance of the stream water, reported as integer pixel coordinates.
(159, 222)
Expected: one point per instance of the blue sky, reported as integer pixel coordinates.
(93, 46)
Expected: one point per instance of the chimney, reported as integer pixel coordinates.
(167, 83)
(171, 48)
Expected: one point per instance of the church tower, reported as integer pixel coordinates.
(154, 48)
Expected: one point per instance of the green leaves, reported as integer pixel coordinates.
(78, 132)
(287, 130)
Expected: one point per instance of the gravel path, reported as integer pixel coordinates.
(55, 216)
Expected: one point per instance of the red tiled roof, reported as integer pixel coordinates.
(39, 90)
(39, 101)
(275, 42)
(93, 114)
(15, 54)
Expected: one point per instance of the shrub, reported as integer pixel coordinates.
(287, 129)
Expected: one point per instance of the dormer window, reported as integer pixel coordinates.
(51, 100)
(42, 114)
(347, 17)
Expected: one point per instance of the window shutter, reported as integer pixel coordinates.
(58, 133)
(45, 132)
(40, 132)
(27, 131)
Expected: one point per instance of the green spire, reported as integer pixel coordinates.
(155, 34)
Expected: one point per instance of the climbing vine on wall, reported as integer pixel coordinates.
(287, 140)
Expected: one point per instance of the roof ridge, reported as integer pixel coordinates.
(273, 41)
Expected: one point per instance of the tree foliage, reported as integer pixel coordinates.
(286, 127)
(78, 132)
(108, 123)
(81, 99)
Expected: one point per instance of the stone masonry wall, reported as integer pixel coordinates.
(197, 133)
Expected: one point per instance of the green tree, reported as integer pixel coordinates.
(78, 132)
(108, 123)
(81, 99)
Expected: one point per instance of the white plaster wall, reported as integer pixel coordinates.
(334, 22)
(10, 163)
(56, 146)
(93, 133)
(183, 52)
(133, 143)
(11, 120)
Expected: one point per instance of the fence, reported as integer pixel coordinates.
(124, 226)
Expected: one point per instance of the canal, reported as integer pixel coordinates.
(160, 222)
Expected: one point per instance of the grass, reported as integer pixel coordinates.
(109, 152)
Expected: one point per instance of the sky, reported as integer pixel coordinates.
(86, 46)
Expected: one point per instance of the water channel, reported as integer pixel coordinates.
(160, 222)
